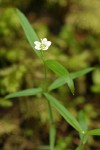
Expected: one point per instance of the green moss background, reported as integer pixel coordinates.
(73, 26)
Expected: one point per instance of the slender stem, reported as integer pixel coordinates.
(52, 131)
(50, 113)
(52, 125)
(81, 145)
(45, 71)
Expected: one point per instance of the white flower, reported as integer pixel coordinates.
(43, 45)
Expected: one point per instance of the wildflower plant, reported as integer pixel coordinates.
(64, 77)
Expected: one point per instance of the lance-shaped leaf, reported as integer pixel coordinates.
(82, 120)
(63, 80)
(61, 71)
(93, 132)
(80, 73)
(84, 126)
(29, 31)
(63, 112)
(57, 67)
(58, 82)
(28, 92)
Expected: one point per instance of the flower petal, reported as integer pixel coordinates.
(37, 47)
(37, 43)
(44, 41)
(48, 43)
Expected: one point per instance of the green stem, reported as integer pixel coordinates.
(45, 72)
(52, 125)
(50, 113)
(81, 145)
(52, 131)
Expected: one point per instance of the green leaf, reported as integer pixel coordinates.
(81, 72)
(61, 71)
(28, 92)
(56, 67)
(83, 124)
(63, 80)
(82, 120)
(94, 132)
(63, 112)
(29, 31)
(57, 83)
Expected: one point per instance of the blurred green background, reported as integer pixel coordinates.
(73, 26)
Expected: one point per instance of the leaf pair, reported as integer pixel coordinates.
(65, 76)
(62, 72)
(60, 108)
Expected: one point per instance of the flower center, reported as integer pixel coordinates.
(42, 46)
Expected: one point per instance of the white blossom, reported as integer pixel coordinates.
(43, 45)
